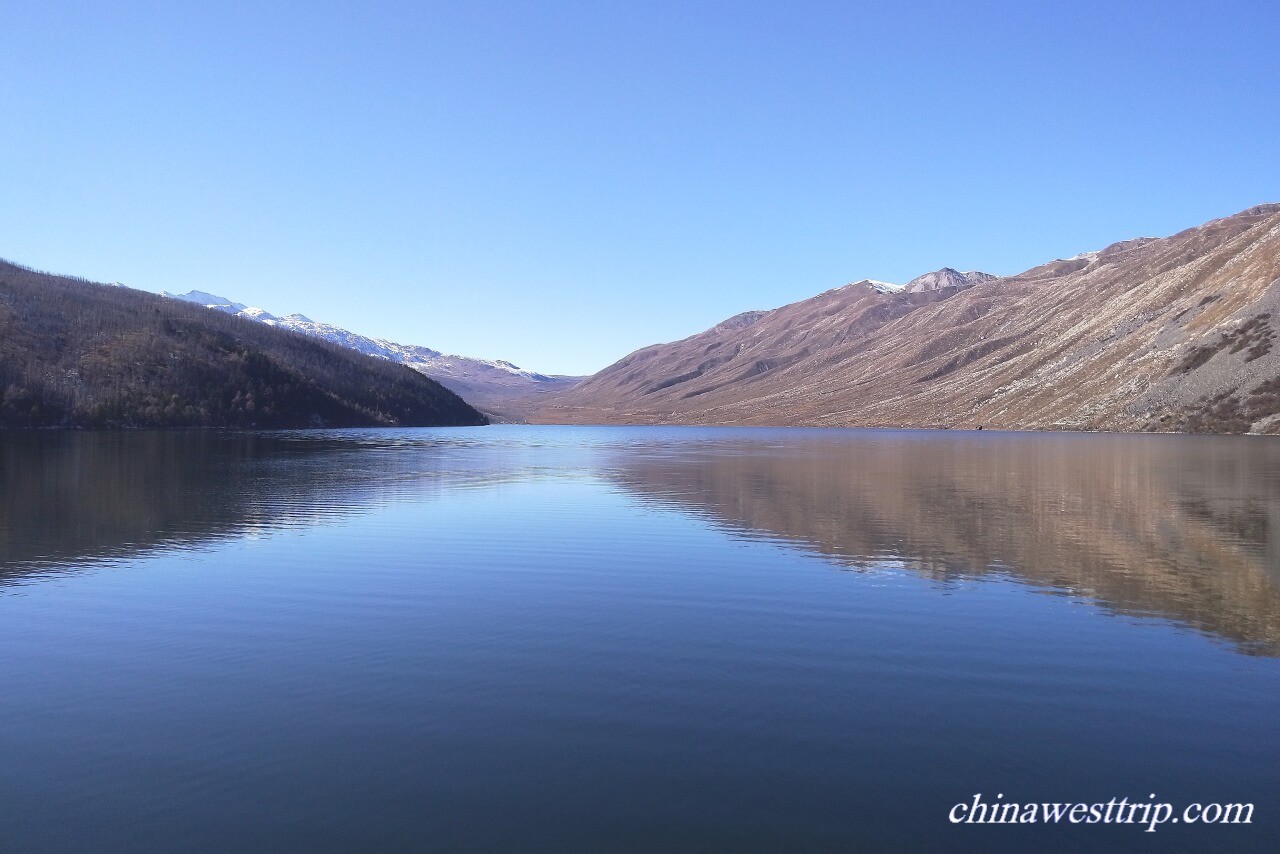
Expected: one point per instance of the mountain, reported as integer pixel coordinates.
(78, 354)
(945, 278)
(497, 387)
(1170, 333)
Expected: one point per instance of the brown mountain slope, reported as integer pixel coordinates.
(945, 278)
(1148, 334)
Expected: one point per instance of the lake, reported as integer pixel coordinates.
(649, 639)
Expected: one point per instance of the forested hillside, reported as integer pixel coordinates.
(78, 354)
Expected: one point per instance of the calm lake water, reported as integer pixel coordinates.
(598, 639)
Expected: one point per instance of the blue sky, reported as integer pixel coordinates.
(559, 183)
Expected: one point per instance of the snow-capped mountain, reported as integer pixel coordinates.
(208, 301)
(485, 383)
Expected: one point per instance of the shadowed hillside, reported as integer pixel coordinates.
(78, 354)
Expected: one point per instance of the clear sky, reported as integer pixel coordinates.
(558, 183)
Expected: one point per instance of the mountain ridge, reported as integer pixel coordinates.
(78, 354)
(486, 383)
(1166, 333)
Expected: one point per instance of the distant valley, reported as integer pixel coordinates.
(1149, 334)
(497, 387)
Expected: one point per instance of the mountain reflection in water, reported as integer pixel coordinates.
(69, 498)
(1183, 528)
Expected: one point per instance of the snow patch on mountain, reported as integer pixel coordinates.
(884, 287)
(875, 284)
(433, 363)
(1084, 256)
(208, 301)
(257, 314)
